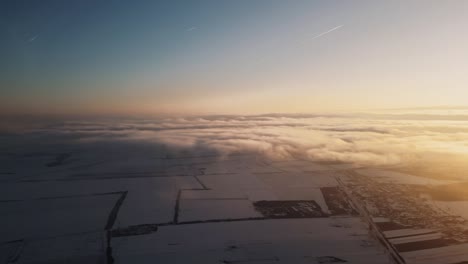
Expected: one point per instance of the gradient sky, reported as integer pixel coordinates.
(240, 56)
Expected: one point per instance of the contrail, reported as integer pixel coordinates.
(33, 38)
(328, 31)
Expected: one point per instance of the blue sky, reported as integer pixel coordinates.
(231, 56)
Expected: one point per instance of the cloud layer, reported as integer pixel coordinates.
(368, 140)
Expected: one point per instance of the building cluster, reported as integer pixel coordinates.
(405, 205)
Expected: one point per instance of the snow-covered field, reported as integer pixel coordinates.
(266, 241)
(102, 205)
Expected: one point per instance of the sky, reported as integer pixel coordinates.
(230, 57)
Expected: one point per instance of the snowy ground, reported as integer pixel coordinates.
(104, 205)
(135, 204)
(266, 241)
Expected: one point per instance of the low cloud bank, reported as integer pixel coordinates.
(360, 139)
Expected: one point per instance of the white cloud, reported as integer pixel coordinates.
(360, 139)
